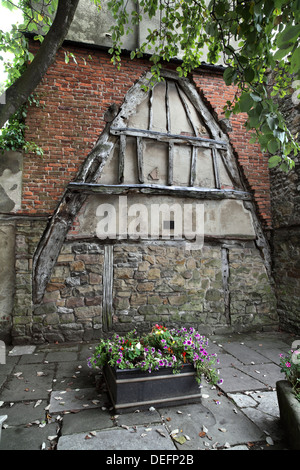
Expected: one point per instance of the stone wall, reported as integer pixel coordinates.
(152, 283)
(7, 277)
(285, 196)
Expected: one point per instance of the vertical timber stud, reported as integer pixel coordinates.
(107, 287)
(150, 110)
(193, 166)
(225, 279)
(139, 146)
(216, 168)
(122, 157)
(170, 163)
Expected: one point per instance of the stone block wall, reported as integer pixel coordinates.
(168, 284)
(285, 196)
(152, 283)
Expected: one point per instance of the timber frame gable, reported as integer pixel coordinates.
(203, 138)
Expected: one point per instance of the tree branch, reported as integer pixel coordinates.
(17, 94)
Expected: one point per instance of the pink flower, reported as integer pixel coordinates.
(288, 364)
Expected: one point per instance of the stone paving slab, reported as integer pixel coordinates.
(27, 438)
(235, 380)
(25, 412)
(78, 399)
(32, 382)
(219, 421)
(119, 439)
(268, 373)
(74, 375)
(144, 417)
(58, 356)
(262, 408)
(86, 420)
(244, 354)
(21, 350)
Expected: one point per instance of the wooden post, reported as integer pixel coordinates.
(193, 166)
(170, 163)
(216, 168)
(122, 157)
(225, 278)
(107, 287)
(139, 147)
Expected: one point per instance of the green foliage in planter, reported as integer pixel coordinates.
(159, 348)
(290, 366)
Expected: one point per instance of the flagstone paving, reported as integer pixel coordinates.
(51, 401)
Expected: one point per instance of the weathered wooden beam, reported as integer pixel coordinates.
(122, 150)
(193, 166)
(140, 165)
(163, 137)
(107, 305)
(168, 116)
(186, 108)
(170, 163)
(225, 280)
(150, 123)
(52, 241)
(180, 191)
(216, 168)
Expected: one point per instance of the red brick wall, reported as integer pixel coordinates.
(76, 97)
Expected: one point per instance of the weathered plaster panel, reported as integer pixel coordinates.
(7, 274)
(11, 164)
(225, 218)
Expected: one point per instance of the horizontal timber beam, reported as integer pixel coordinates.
(166, 137)
(179, 191)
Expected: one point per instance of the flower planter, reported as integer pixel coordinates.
(289, 408)
(132, 388)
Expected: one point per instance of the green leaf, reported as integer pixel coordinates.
(228, 75)
(273, 161)
(249, 74)
(295, 59)
(245, 102)
(290, 33)
(255, 97)
(273, 146)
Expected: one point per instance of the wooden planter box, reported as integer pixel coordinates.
(132, 388)
(289, 408)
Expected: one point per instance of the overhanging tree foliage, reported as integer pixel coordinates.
(253, 38)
